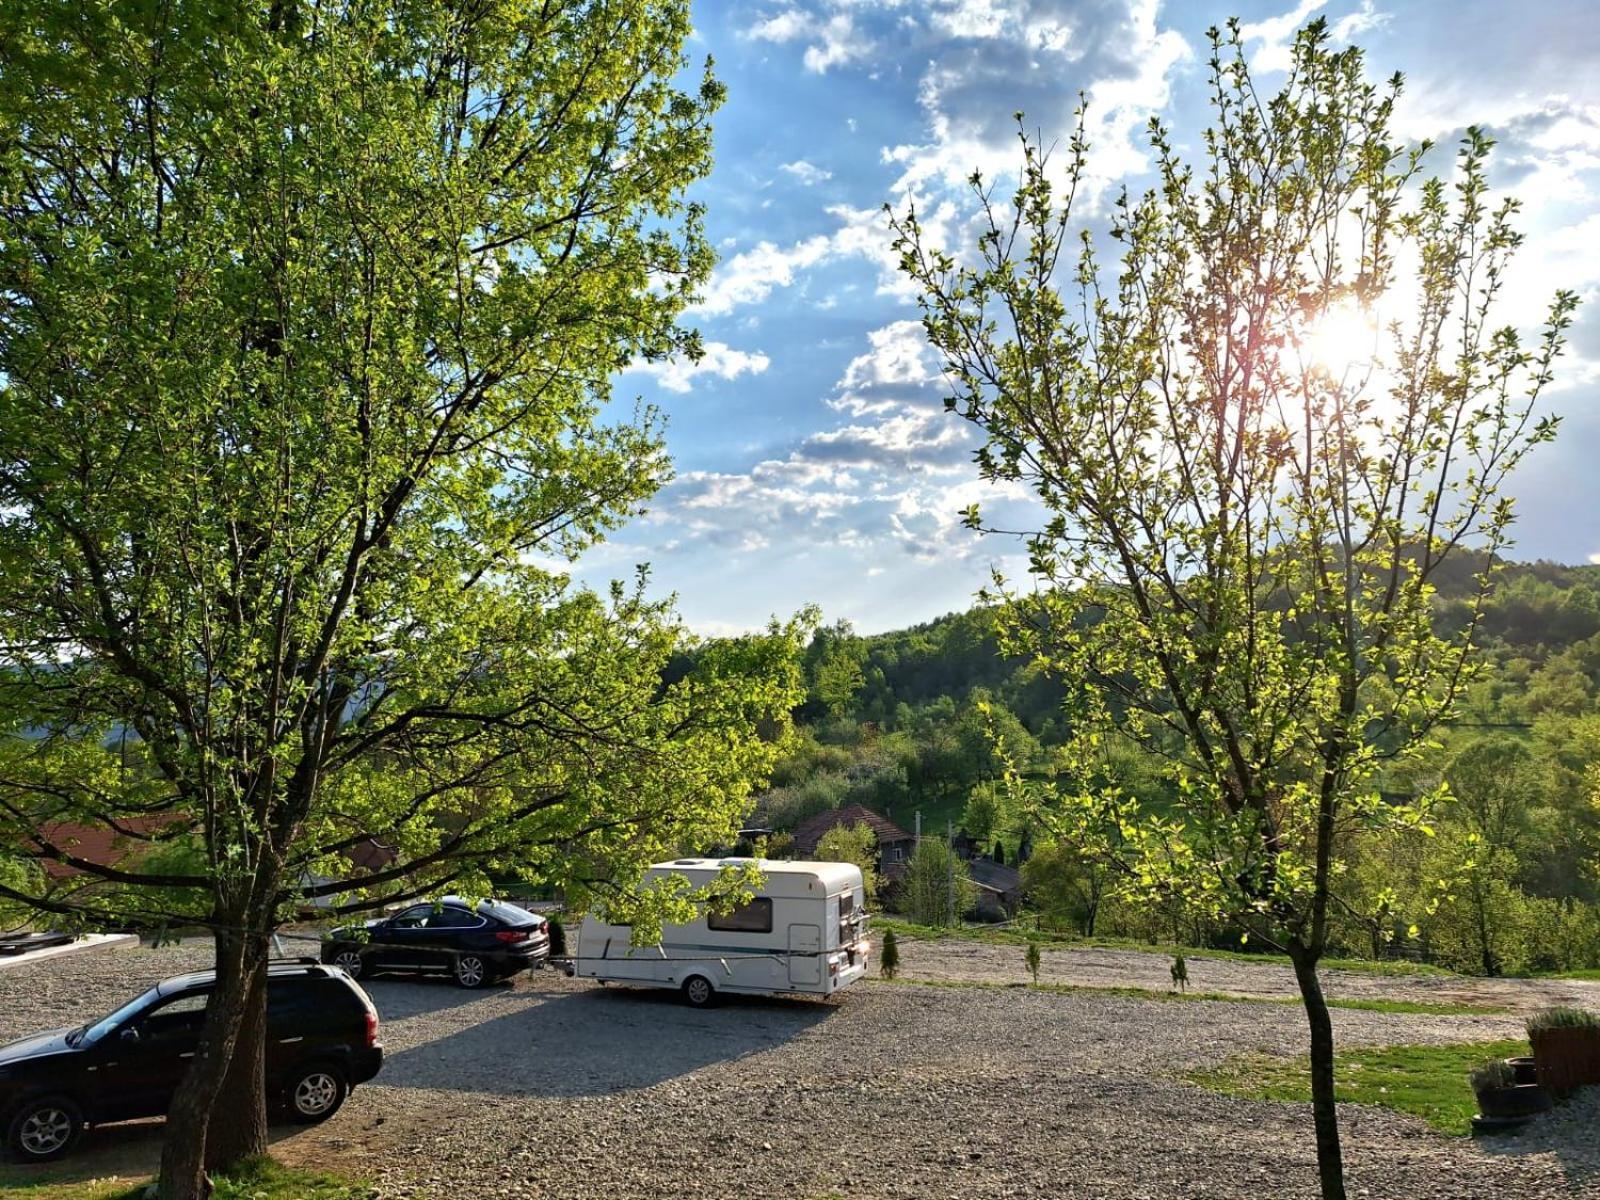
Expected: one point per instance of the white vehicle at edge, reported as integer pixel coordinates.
(805, 930)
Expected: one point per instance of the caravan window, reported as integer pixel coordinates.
(755, 917)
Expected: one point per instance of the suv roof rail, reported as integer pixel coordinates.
(302, 960)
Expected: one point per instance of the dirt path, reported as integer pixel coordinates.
(952, 959)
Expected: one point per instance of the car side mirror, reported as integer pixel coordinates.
(129, 1034)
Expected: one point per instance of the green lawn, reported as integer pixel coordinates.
(259, 1180)
(1013, 937)
(1138, 993)
(1426, 1081)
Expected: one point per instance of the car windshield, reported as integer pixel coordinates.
(90, 1034)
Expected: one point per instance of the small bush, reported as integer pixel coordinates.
(1491, 1074)
(889, 959)
(1562, 1017)
(1030, 959)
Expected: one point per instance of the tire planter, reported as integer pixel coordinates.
(1567, 1059)
(1521, 1101)
(1524, 1069)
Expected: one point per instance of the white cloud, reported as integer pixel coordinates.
(1035, 56)
(807, 173)
(784, 27)
(839, 42)
(1354, 24)
(719, 360)
(974, 19)
(1120, 105)
(1275, 36)
(750, 277)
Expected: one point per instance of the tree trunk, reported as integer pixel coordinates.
(237, 1128)
(183, 1153)
(1330, 1158)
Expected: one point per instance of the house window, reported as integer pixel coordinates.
(755, 917)
(896, 854)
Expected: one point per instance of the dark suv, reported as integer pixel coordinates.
(473, 944)
(322, 1040)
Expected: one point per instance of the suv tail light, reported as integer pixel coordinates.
(372, 1028)
(512, 935)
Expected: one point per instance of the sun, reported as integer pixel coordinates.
(1341, 339)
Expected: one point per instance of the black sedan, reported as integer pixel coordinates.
(473, 944)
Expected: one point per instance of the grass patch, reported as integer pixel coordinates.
(1591, 973)
(1426, 1081)
(1138, 993)
(259, 1179)
(1015, 937)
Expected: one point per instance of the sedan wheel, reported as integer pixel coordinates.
(45, 1129)
(316, 1094)
(471, 971)
(350, 962)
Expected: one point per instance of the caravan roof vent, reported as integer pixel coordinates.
(686, 862)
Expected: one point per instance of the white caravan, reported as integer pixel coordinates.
(804, 931)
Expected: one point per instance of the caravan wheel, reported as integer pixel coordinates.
(698, 992)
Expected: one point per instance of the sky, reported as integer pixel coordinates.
(815, 462)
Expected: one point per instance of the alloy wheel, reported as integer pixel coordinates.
(45, 1131)
(316, 1093)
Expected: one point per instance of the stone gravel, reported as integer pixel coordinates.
(556, 1087)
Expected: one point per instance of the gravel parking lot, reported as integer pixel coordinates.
(553, 1087)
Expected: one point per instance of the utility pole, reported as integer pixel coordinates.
(950, 863)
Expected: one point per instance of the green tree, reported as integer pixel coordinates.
(1067, 887)
(990, 816)
(310, 311)
(937, 887)
(853, 844)
(1248, 497)
(1497, 787)
(836, 674)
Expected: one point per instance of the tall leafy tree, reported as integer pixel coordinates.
(855, 844)
(308, 311)
(1248, 489)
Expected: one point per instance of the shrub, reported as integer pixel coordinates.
(1562, 1017)
(1030, 959)
(1492, 1074)
(889, 959)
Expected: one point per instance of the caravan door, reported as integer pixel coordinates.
(805, 955)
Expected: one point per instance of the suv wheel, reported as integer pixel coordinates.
(315, 1093)
(471, 971)
(45, 1128)
(698, 992)
(350, 962)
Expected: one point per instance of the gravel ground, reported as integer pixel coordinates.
(558, 1087)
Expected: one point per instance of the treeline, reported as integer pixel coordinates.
(924, 720)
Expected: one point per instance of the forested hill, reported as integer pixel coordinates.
(903, 722)
(1540, 635)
